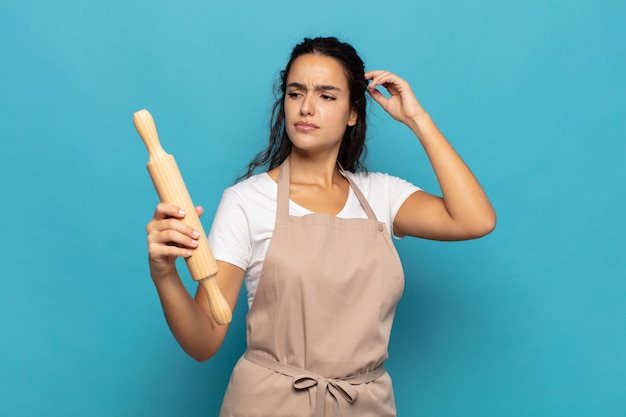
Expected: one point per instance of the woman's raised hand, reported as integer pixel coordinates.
(169, 238)
(401, 104)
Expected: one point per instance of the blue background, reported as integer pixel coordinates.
(530, 321)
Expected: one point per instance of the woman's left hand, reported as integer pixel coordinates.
(401, 104)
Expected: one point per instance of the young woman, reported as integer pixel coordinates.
(311, 239)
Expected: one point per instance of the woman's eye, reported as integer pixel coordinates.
(293, 94)
(326, 97)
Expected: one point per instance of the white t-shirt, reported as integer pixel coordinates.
(244, 220)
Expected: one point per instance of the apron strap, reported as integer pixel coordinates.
(303, 379)
(282, 208)
(359, 195)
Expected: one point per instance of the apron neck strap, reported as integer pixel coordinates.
(283, 189)
(359, 195)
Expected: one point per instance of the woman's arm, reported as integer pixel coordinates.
(189, 319)
(463, 211)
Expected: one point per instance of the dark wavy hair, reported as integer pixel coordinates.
(352, 151)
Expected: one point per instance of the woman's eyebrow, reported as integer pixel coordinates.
(320, 87)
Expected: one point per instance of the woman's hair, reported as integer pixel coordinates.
(352, 150)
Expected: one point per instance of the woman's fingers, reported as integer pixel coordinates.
(168, 235)
(170, 243)
(173, 232)
(164, 211)
(167, 216)
(401, 104)
(383, 78)
(160, 252)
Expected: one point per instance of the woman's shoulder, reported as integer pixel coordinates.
(253, 193)
(382, 186)
(374, 179)
(258, 183)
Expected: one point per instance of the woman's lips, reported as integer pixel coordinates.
(306, 126)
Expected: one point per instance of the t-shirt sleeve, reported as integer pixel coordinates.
(398, 191)
(229, 236)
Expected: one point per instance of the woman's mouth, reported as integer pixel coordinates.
(305, 126)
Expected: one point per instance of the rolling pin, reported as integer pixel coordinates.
(171, 189)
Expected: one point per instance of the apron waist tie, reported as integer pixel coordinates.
(303, 379)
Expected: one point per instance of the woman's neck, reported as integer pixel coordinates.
(320, 170)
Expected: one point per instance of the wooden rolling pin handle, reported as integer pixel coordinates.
(171, 189)
(219, 306)
(144, 123)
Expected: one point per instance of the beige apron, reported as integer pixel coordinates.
(319, 326)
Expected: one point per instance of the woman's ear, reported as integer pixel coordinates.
(353, 118)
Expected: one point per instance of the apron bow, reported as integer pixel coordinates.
(336, 387)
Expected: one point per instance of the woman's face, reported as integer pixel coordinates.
(317, 103)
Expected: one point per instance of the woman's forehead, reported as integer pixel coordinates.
(317, 70)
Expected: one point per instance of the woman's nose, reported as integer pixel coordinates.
(307, 108)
